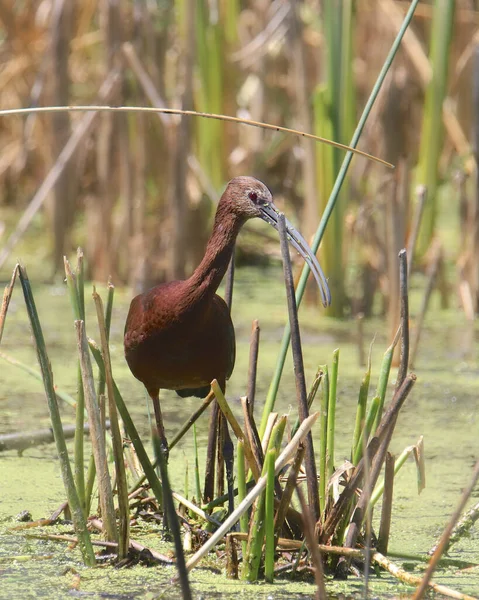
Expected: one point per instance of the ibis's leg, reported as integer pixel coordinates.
(211, 454)
(220, 461)
(159, 423)
(228, 453)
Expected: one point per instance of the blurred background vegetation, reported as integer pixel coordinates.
(139, 191)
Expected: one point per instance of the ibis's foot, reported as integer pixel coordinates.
(165, 450)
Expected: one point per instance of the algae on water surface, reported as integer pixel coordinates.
(443, 408)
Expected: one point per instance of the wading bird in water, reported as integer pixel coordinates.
(179, 335)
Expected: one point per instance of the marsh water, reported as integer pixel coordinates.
(443, 407)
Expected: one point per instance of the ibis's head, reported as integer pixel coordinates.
(248, 198)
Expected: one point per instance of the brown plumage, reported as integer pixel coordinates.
(179, 335)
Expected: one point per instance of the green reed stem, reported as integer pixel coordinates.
(273, 389)
(97, 436)
(323, 442)
(269, 517)
(384, 378)
(361, 409)
(73, 281)
(172, 519)
(76, 509)
(117, 439)
(252, 558)
(242, 490)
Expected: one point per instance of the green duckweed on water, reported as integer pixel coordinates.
(442, 407)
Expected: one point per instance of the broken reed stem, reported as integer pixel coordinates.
(281, 461)
(301, 395)
(461, 529)
(443, 542)
(7, 295)
(252, 433)
(117, 439)
(253, 364)
(47, 374)
(403, 290)
(310, 537)
(387, 506)
(414, 580)
(97, 437)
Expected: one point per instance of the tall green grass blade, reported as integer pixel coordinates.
(67, 475)
(323, 441)
(333, 384)
(432, 131)
(197, 467)
(269, 517)
(273, 389)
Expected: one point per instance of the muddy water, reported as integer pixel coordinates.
(443, 407)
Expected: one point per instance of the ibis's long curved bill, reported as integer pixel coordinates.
(269, 213)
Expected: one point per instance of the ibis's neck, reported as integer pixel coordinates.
(208, 275)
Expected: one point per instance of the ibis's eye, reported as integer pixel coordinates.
(253, 196)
